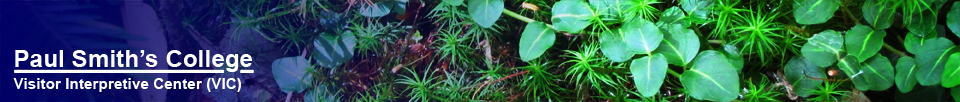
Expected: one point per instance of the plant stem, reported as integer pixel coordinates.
(522, 18)
(850, 15)
(894, 50)
(674, 73)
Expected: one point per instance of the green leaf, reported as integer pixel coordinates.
(906, 74)
(913, 42)
(609, 7)
(485, 12)
(921, 23)
(377, 10)
(879, 72)
(951, 71)
(956, 93)
(852, 69)
(453, 2)
(642, 36)
(879, 13)
(814, 11)
(823, 48)
(673, 15)
(864, 42)
(697, 8)
(330, 51)
(733, 53)
(711, 77)
(291, 74)
(612, 46)
(680, 45)
(536, 39)
(796, 72)
(953, 19)
(648, 74)
(931, 59)
(571, 16)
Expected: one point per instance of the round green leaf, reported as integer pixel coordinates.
(814, 11)
(571, 15)
(953, 19)
(453, 2)
(711, 77)
(648, 73)
(697, 8)
(879, 13)
(796, 72)
(733, 53)
(823, 48)
(485, 12)
(291, 74)
(536, 39)
(852, 69)
(906, 74)
(330, 51)
(951, 71)
(377, 10)
(613, 46)
(931, 59)
(609, 7)
(921, 23)
(680, 45)
(642, 36)
(913, 42)
(864, 42)
(673, 15)
(879, 72)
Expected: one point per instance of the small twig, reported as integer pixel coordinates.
(498, 80)
(850, 15)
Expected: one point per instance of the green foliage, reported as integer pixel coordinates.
(641, 9)
(726, 12)
(824, 48)
(931, 59)
(758, 34)
(879, 72)
(648, 73)
(622, 44)
(485, 12)
(797, 72)
(420, 86)
(679, 46)
(952, 21)
(814, 11)
(863, 42)
(540, 83)
(582, 65)
(921, 24)
(852, 69)
(711, 77)
(760, 91)
(330, 51)
(828, 92)
(291, 74)
(572, 16)
(369, 36)
(322, 93)
(536, 39)
(879, 13)
(454, 48)
(956, 93)
(951, 72)
(906, 76)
